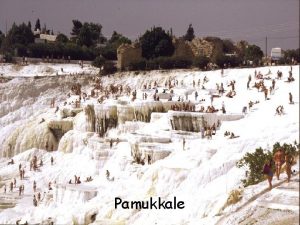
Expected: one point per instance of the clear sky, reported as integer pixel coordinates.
(251, 20)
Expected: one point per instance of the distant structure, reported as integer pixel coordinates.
(131, 53)
(128, 53)
(276, 54)
(43, 38)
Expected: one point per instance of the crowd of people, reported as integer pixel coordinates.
(34, 166)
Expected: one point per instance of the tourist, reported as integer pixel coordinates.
(196, 95)
(11, 186)
(288, 165)
(248, 85)
(23, 173)
(149, 159)
(279, 160)
(49, 186)
(291, 98)
(290, 78)
(39, 196)
(34, 186)
(111, 143)
(34, 201)
(266, 93)
(20, 190)
(223, 108)
(107, 175)
(202, 130)
(267, 171)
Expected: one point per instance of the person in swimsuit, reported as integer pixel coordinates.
(288, 163)
(267, 171)
(279, 160)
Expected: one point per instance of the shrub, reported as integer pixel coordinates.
(181, 63)
(165, 63)
(109, 68)
(99, 61)
(58, 50)
(8, 57)
(140, 65)
(20, 50)
(109, 52)
(231, 61)
(254, 163)
(152, 64)
(201, 62)
(234, 61)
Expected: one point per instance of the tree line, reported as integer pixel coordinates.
(87, 42)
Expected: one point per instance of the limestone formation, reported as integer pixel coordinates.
(31, 135)
(60, 127)
(90, 118)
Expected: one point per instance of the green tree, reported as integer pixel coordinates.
(155, 43)
(228, 46)
(96, 32)
(37, 25)
(241, 48)
(217, 44)
(29, 25)
(189, 36)
(76, 27)
(85, 36)
(253, 53)
(62, 38)
(1, 38)
(118, 39)
(291, 54)
(109, 52)
(19, 34)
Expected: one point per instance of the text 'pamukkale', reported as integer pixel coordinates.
(150, 204)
